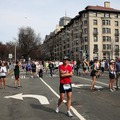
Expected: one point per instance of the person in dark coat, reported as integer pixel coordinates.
(51, 67)
(17, 75)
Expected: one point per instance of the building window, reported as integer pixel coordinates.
(116, 15)
(77, 42)
(85, 31)
(116, 50)
(94, 22)
(95, 31)
(108, 47)
(106, 38)
(103, 30)
(102, 14)
(103, 22)
(104, 54)
(95, 14)
(116, 31)
(116, 23)
(117, 47)
(106, 15)
(106, 30)
(76, 49)
(106, 22)
(86, 40)
(95, 39)
(95, 48)
(86, 47)
(85, 22)
(104, 47)
(116, 39)
(85, 14)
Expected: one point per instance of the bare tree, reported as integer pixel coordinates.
(29, 42)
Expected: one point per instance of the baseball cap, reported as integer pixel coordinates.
(65, 58)
(111, 61)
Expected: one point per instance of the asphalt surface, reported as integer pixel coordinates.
(86, 105)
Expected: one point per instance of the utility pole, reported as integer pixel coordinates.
(15, 49)
(15, 52)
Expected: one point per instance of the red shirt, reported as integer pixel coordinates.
(65, 80)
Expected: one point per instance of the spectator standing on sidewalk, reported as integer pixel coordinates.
(77, 67)
(3, 71)
(93, 74)
(51, 67)
(33, 67)
(65, 71)
(40, 69)
(112, 75)
(17, 75)
(102, 67)
(117, 72)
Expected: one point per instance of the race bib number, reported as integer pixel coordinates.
(66, 86)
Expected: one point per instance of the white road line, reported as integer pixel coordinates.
(72, 108)
(97, 81)
(91, 80)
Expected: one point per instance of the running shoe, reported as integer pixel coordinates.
(111, 90)
(114, 89)
(69, 114)
(57, 110)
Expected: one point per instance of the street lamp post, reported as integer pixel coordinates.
(15, 52)
(15, 48)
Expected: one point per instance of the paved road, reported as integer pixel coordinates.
(86, 105)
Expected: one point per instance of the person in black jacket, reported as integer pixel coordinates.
(33, 66)
(17, 74)
(40, 69)
(51, 67)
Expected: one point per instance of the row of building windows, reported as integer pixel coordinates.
(108, 15)
(105, 22)
(105, 30)
(109, 47)
(105, 47)
(95, 22)
(95, 39)
(95, 49)
(95, 31)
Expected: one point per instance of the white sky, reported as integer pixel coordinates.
(40, 15)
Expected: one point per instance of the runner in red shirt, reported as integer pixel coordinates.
(65, 71)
